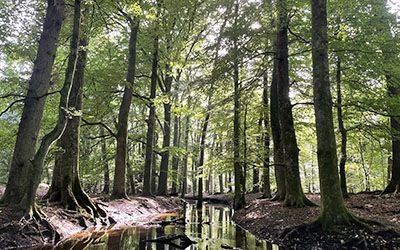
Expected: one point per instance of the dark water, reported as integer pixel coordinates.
(210, 228)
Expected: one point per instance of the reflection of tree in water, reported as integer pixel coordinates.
(220, 221)
(240, 237)
(115, 240)
(160, 232)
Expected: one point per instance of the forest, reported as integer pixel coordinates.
(199, 124)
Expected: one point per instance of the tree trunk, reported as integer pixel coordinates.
(333, 210)
(163, 179)
(365, 169)
(294, 192)
(175, 159)
(256, 171)
(277, 139)
(201, 160)
(66, 187)
(245, 165)
(119, 187)
(185, 160)
(342, 129)
(24, 177)
(106, 188)
(266, 138)
(147, 175)
(239, 200)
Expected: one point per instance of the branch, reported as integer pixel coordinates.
(109, 130)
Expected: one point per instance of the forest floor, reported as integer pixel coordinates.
(124, 213)
(271, 221)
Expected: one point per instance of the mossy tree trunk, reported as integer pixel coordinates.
(66, 186)
(277, 139)
(27, 165)
(333, 210)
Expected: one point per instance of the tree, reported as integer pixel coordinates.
(119, 188)
(27, 163)
(333, 211)
(152, 115)
(239, 200)
(266, 138)
(294, 193)
(342, 129)
(66, 185)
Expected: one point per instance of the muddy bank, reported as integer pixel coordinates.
(124, 213)
(270, 221)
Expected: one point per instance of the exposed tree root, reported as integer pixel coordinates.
(298, 202)
(77, 200)
(35, 218)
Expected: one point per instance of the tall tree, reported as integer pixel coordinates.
(333, 210)
(266, 138)
(26, 166)
(342, 129)
(151, 120)
(66, 186)
(201, 160)
(294, 192)
(119, 187)
(239, 200)
(175, 159)
(277, 138)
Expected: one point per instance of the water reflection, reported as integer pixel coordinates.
(210, 227)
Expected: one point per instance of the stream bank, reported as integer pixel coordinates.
(271, 221)
(126, 213)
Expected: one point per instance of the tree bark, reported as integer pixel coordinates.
(256, 171)
(66, 187)
(294, 192)
(151, 121)
(277, 139)
(342, 129)
(333, 210)
(239, 200)
(185, 160)
(245, 165)
(163, 179)
(266, 138)
(201, 161)
(119, 187)
(106, 188)
(24, 176)
(175, 159)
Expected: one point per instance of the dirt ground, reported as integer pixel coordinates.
(271, 221)
(123, 213)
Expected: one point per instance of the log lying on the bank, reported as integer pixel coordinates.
(185, 241)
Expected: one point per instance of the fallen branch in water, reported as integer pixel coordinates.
(168, 239)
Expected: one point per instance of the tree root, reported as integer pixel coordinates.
(295, 202)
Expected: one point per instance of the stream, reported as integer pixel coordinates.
(210, 228)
